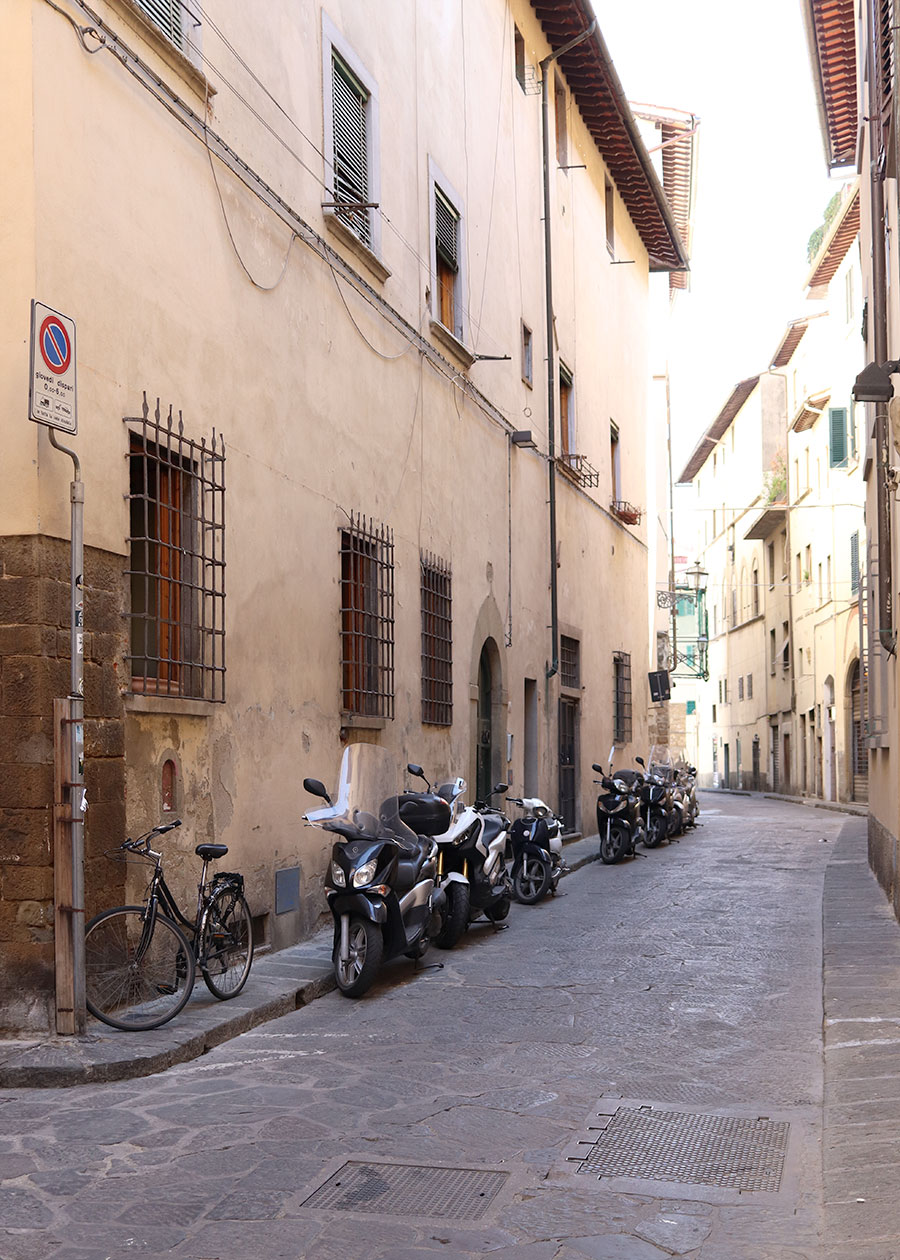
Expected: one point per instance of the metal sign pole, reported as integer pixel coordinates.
(76, 740)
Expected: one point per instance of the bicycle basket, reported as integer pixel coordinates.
(228, 879)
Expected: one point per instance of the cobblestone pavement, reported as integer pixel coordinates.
(688, 981)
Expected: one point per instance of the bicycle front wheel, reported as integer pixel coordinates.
(226, 943)
(139, 968)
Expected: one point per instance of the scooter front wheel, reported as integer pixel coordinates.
(531, 880)
(656, 830)
(456, 918)
(614, 844)
(356, 973)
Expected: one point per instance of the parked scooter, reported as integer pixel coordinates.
(662, 770)
(536, 844)
(656, 806)
(618, 812)
(471, 868)
(686, 779)
(381, 883)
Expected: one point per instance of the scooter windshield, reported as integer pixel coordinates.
(365, 803)
(660, 761)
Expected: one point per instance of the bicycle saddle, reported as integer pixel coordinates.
(209, 852)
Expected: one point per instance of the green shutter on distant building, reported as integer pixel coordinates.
(837, 421)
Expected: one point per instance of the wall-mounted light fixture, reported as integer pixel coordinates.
(874, 383)
(522, 437)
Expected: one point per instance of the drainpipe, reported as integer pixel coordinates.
(553, 667)
(886, 633)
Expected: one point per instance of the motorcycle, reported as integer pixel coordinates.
(381, 883)
(655, 806)
(471, 868)
(536, 844)
(686, 778)
(618, 813)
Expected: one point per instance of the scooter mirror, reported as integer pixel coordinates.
(501, 787)
(316, 788)
(417, 771)
(640, 761)
(599, 769)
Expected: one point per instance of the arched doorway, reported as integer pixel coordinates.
(829, 786)
(859, 754)
(485, 736)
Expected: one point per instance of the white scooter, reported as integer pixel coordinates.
(536, 842)
(471, 861)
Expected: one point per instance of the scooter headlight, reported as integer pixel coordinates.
(338, 878)
(364, 874)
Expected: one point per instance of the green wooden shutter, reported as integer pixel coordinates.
(837, 420)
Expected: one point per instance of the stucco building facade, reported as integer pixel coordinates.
(317, 431)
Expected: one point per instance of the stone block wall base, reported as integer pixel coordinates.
(35, 669)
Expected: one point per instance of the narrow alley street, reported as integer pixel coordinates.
(689, 981)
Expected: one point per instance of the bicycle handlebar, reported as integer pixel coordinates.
(142, 844)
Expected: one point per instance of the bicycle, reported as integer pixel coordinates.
(141, 961)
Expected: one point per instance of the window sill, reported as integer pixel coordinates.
(361, 722)
(452, 343)
(172, 705)
(164, 48)
(349, 238)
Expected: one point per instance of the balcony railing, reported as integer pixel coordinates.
(577, 468)
(626, 512)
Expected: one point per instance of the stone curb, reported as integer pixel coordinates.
(61, 1062)
(811, 802)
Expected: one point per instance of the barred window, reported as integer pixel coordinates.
(176, 559)
(621, 697)
(437, 642)
(569, 662)
(367, 619)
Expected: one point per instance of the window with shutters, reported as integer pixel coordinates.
(350, 110)
(179, 21)
(621, 697)
(367, 619)
(837, 428)
(447, 259)
(437, 642)
(176, 559)
(609, 198)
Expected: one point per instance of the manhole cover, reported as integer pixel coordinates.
(408, 1190)
(724, 1151)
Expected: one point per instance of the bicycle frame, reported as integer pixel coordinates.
(160, 895)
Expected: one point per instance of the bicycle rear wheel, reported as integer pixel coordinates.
(226, 943)
(139, 968)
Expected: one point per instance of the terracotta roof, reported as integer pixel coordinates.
(703, 449)
(678, 146)
(840, 236)
(789, 343)
(810, 410)
(831, 32)
(595, 86)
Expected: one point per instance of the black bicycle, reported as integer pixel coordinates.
(141, 961)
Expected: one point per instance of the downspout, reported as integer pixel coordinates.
(887, 635)
(553, 667)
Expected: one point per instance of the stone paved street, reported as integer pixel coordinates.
(689, 981)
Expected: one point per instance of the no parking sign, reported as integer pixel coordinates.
(52, 396)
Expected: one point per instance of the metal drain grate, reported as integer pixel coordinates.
(409, 1190)
(698, 1149)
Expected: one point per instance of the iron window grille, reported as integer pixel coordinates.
(367, 619)
(437, 642)
(350, 102)
(621, 697)
(176, 559)
(569, 662)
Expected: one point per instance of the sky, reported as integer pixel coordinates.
(762, 186)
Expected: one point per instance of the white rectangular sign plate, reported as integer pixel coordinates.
(52, 396)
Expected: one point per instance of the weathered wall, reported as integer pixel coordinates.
(35, 669)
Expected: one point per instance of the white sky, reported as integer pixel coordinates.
(762, 188)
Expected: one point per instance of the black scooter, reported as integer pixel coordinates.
(381, 882)
(618, 813)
